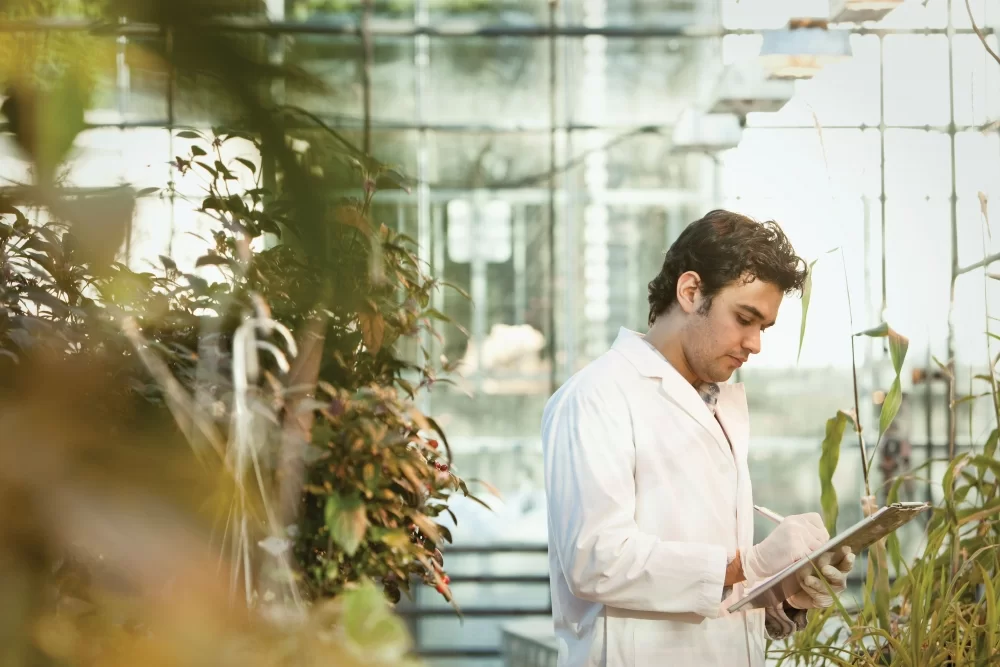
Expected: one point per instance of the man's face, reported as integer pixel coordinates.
(719, 341)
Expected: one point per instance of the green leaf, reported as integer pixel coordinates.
(189, 134)
(168, 263)
(948, 481)
(991, 444)
(806, 298)
(248, 164)
(388, 178)
(147, 191)
(370, 629)
(396, 539)
(895, 555)
(880, 331)
(440, 432)
(50, 301)
(456, 288)
(882, 585)
(406, 386)
(890, 407)
(198, 151)
(212, 260)
(347, 521)
(898, 343)
(978, 513)
(828, 460)
(204, 166)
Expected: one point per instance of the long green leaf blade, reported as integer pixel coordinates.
(829, 457)
(890, 407)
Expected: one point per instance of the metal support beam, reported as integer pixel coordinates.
(457, 28)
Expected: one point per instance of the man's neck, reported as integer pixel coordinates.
(665, 336)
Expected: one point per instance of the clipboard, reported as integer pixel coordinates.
(772, 592)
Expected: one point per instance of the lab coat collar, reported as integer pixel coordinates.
(731, 408)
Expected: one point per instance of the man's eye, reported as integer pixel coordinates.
(742, 320)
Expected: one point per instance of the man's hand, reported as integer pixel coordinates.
(834, 568)
(793, 539)
(734, 571)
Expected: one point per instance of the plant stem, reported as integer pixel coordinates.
(854, 374)
(857, 421)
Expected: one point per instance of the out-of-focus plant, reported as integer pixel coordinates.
(375, 469)
(282, 373)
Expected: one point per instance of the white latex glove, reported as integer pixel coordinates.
(794, 538)
(834, 568)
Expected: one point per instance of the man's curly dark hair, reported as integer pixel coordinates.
(722, 248)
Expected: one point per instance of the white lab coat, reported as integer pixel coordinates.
(647, 504)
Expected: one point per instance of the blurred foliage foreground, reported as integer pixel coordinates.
(220, 463)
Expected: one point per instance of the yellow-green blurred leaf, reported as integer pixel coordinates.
(829, 457)
(890, 407)
(806, 299)
(372, 330)
(370, 627)
(347, 521)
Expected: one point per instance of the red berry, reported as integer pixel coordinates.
(433, 444)
(441, 588)
(446, 579)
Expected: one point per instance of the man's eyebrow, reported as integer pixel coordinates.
(756, 313)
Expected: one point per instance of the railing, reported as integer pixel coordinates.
(415, 610)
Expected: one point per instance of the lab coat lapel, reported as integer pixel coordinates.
(732, 412)
(652, 364)
(686, 396)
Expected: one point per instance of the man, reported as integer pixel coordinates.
(649, 499)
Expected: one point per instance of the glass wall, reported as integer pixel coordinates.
(549, 187)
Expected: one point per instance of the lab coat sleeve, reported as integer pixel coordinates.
(590, 484)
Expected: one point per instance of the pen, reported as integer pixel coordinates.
(768, 514)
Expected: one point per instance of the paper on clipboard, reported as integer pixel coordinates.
(783, 585)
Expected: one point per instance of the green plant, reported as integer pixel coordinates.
(943, 607)
(377, 478)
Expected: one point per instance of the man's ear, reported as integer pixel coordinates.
(689, 291)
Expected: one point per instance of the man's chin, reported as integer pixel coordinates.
(722, 375)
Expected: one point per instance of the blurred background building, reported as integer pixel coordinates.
(557, 148)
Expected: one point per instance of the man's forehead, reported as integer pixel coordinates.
(761, 298)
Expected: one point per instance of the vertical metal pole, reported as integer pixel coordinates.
(438, 249)
(881, 142)
(478, 287)
(276, 93)
(596, 223)
(123, 82)
(421, 58)
(953, 205)
(424, 223)
(171, 121)
(567, 277)
(869, 349)
(520, 259)
(122, 90)
(929, 421)
(368, 56)
(551, 217)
